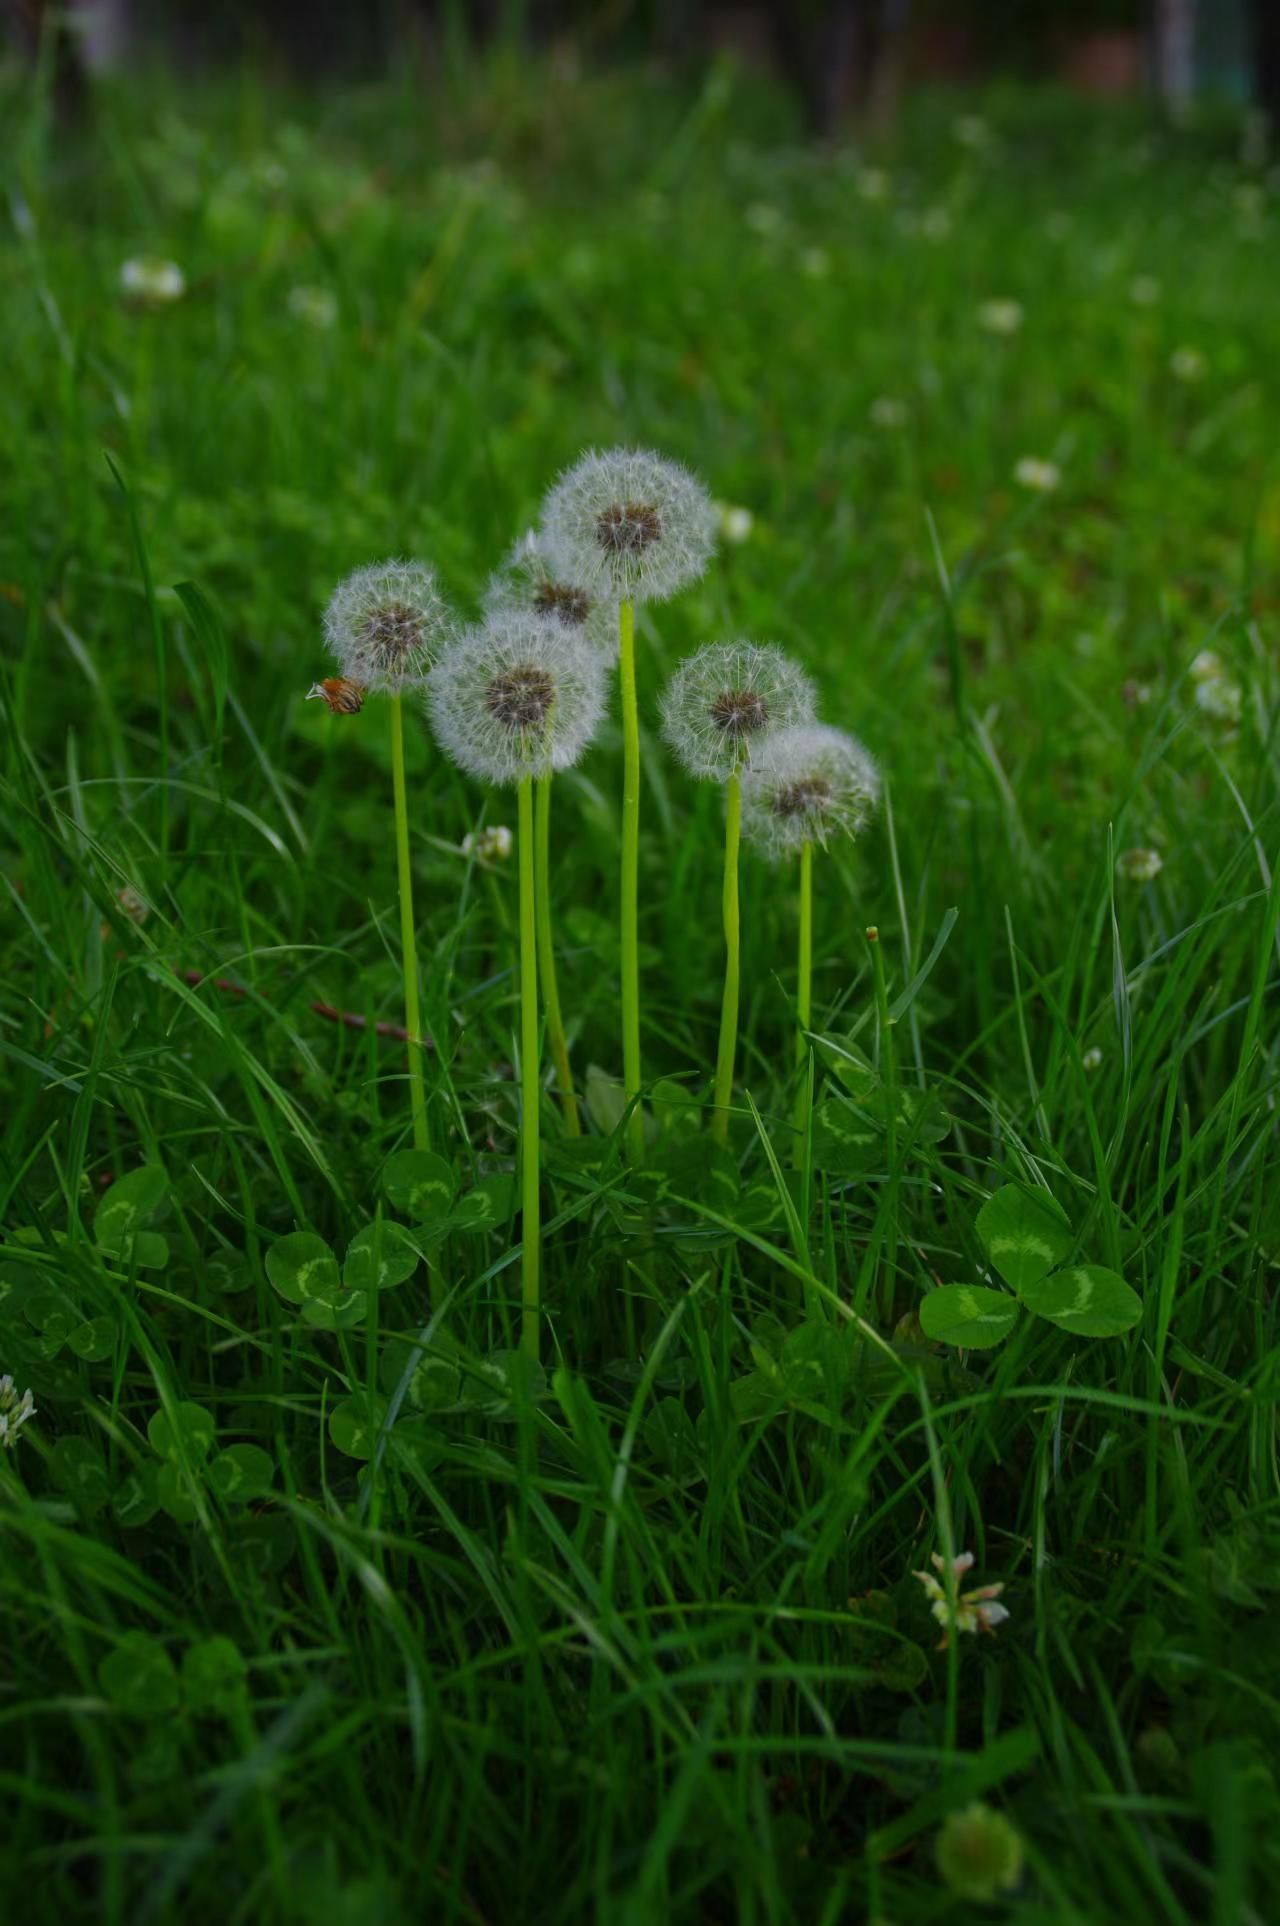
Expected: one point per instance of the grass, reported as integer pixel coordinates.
(636, 1638)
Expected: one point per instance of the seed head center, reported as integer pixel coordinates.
(520, 698)
(807, 797)
(739, 712)
(628, 528)
(570, 606)
(390, 632)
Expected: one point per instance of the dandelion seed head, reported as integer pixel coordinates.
(530, 583)
(387, 624)
(809, 783)
(628, 524)
(517, 696)
(725, 702)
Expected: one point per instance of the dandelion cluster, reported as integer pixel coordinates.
(530, 583)
(515, 697)
(808, 783)
(724, 703)
(15, 1411)
(386, 625)
(629, 525)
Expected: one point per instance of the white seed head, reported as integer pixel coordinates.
(387, 624)
(630, 524)
(530, 583)
(517, 696)
(808, 784)
(724, 703)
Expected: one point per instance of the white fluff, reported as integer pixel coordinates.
(629, 524)
(723, 704)
(516, 696)
(387, 624)
(808, 784)
(530, 583)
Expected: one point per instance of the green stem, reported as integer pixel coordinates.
(408, 940)
(630, 940)
(732, 934)
(889, 1084)
(531, 1234)
(804, 997)
(556, 1040)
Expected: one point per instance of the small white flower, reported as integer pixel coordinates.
(736, 523)
(629, 524)
(147, 278)
(816, 263)
(958, 1611)
(15, 1411)
(1220, 699)
(873, 184)
(1144, 291)
(517, 697)
(1187, 364)
(887, 412)
(1205, 666)
(1092, 1058)
(1040, 476)
(1001, 316)
(492, 845)
(387, 624)
(318, 307)
(1139, 865)
(726, 700)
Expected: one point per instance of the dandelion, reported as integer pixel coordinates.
(386, 625)
(318, 307)
(491, 845)
(808, 784)
(720, 708)
(511, 701)
(1187, 364)
(736, 523)
(957, 1611)
(1144, 291)
(1041, 477)
(153, 282)
(1219, 698)
(887, 412)
(979, 1854)
(530, 582)
(1001, 316)
(1139, 865)
(629, 524)
(15, 1411)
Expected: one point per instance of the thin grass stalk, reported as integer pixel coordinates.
(557, 1042)
(728, 1045)
(629, 926)
(530, 1083)
(408, 939)
(804, 999)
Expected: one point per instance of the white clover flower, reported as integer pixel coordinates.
(1042, 477)
(1139, 865)
(387, 624)
(1220, 699)
(808, 783)
(1186, 364)
(736, 523)
(958, 1611)
(529, 583)
(1144, 290)
(1092, 1058)
(629, 524)
(1001, 316)
(724, 702)
(491, 845)
(318, 307)
(517, 696)
(887, 412)
(1205, 665)
(147, 278)
(815, 262)
(15, 1411)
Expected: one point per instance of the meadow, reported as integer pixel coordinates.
(337, 1604)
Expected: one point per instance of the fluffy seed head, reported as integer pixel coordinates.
(808, 784)
(530, 583)
(387, 624)
(629, 525)
(516, 696)
(724, 704)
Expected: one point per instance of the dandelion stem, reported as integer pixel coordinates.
(556, 1040)
(804, 995)
(729, 1005)
(630, 943)
(531, 1234)
(408, 940)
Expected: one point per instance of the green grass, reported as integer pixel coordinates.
(638, 1641)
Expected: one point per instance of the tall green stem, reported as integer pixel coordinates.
(732, 933)
(530, 1083)
(556, 1040)
(804, 996)
(408, 939)
(889, 1085)
(630, 937)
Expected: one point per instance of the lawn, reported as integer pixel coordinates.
(338, 1606)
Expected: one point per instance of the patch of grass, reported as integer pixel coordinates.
(358, 1620)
